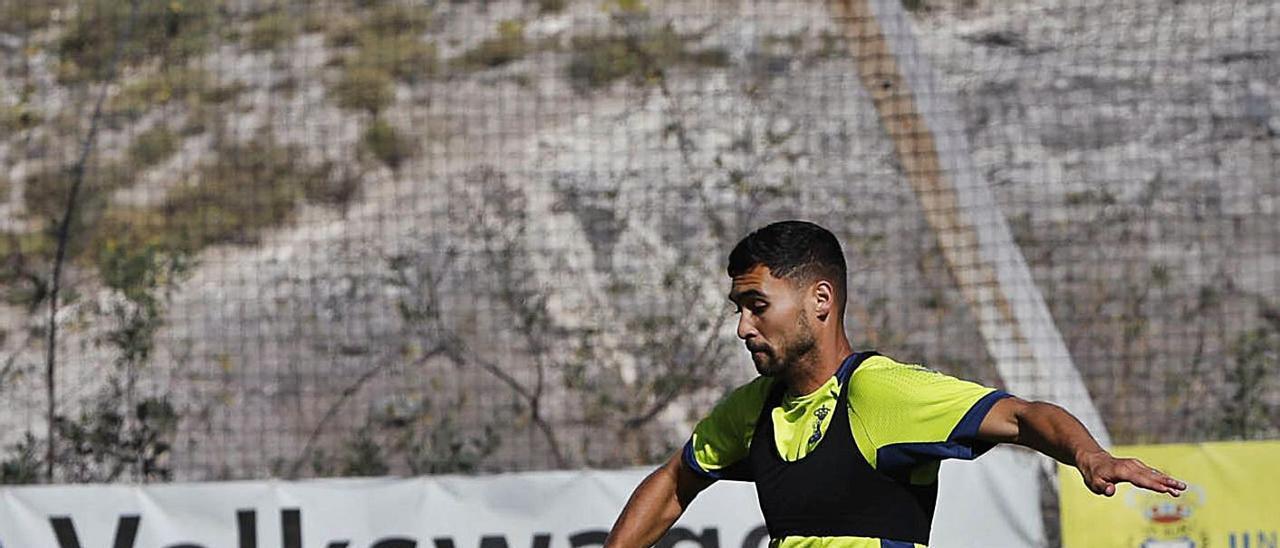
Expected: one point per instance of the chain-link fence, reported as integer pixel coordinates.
(311, 239)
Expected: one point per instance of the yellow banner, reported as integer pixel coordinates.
(1232, 500)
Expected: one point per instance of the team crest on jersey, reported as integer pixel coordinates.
(821, 413)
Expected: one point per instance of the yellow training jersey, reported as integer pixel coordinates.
(903, 418)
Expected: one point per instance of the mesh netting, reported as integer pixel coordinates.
(317, 239)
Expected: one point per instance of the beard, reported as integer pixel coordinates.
(772, 361)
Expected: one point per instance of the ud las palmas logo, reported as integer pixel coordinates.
(1169, 522)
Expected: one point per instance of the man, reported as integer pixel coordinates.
(844, 447)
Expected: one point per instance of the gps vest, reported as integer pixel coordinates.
(833, 491)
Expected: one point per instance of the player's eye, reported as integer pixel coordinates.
(755, 307)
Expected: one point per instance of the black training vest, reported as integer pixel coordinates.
(833, 491)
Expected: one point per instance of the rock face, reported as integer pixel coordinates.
(512, 255)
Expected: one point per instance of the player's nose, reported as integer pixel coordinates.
(745, 328)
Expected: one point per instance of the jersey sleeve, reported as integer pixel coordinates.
(720, 442)
(906, 416)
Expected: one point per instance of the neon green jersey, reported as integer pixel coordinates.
(904, 419)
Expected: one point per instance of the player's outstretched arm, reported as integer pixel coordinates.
(656, 504)
(1053, 431)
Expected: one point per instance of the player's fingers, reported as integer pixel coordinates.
(1154, 480)
(1176, 486)
(1166, 478)
(1151, 483)
(1135, 470)
(1173, 485)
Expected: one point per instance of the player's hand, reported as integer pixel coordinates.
(1102, 472)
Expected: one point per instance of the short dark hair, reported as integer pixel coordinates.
(798, 251)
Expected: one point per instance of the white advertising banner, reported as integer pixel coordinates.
(534, 510)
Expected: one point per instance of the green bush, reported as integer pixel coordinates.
(394, 19)
(384, 22)
(45, 193)
(364, 88)
(243, 191)
(552, 6)
(915, 5)
(171, 30)
(174, 84)
(1254, 358)
(153, 146)
(35, 246)
(136, 227)
(342, 31)
(271, 31)
(406, 58)
(628, 6)
(108, 440)
(509, 45)
(25, 463)
(336, 190)
(248, 188)
(17, 17)
(387, 48)
(385, 144)
(219, 94)
(27, 256)
(599, 61)
(17, 118)
(363, 457)
(198, 119)
(317, 21)
(141, 273)
(45, 197)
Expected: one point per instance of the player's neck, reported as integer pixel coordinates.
(813, 371)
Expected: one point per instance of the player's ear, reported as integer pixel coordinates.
(824, 296)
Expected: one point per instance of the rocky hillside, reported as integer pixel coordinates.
(416, 237)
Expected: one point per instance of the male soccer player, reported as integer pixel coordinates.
(844, 446)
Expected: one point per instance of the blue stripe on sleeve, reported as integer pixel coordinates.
(692, 462)
(962, 443)
(967, 428)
